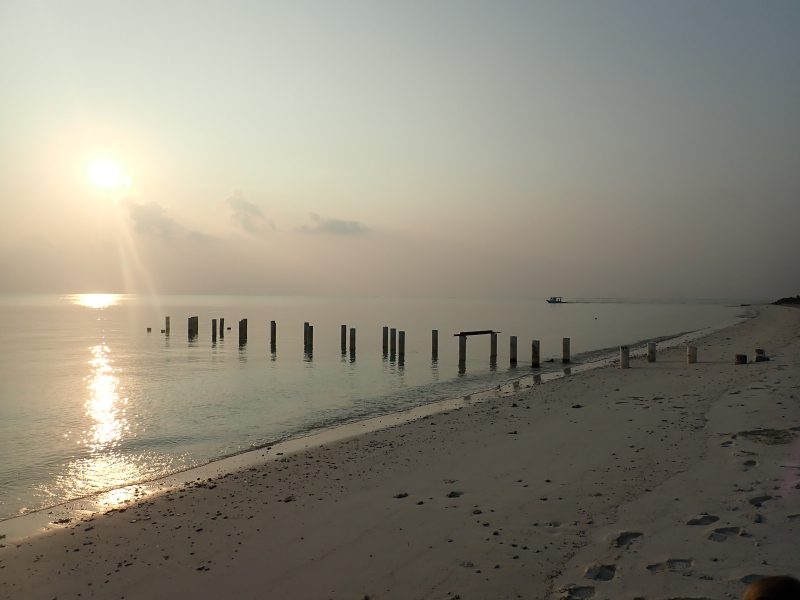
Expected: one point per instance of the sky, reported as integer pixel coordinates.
(416, 149)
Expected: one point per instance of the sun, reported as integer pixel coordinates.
(107, 174)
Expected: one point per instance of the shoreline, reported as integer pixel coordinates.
(586, 487)
(49, 518)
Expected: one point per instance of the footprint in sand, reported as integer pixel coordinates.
(703, 519)
(625, 538)
(600, 572)
(673, 564)
(577, 592)
(759, 500)
(722, 534)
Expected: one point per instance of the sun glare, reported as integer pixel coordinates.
(95, 300)
(107, 174)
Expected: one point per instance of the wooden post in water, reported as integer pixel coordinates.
(242, 332)
(512, 350)
(213, 331)
(624, 357)
(166, 325)
(392, 341)
(221, 328)
(352, 342)
(462, 350)
(273, 335)
(310, 349)
(691, 354)
(401, 346)
(344, 338)
(434, 344)
(385, 340)
(305, 336)
(565, 350)
(193, 327)
(492, 346)
(651, 352)
(535, 354)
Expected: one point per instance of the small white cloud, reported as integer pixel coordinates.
(325, 225)
(152, 219)
(248, 216)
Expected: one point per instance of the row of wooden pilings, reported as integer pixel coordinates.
(393, 341)
(625, 355)
(691, 355)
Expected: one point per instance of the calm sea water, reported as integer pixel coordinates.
(89, 401)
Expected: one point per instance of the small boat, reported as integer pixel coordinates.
(555, 300)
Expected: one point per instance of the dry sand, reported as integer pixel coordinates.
(665, 481)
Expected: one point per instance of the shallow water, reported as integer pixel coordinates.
(90, 401)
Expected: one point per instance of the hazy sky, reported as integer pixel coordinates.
(402, 148)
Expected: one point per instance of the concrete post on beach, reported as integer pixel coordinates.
(401, 346)
(434, 344)
(243, 332)
(740, 359)
(651, 352)
(392, 342)
(624, 357)
(221, 328)
(166, 325)
(565, 350)
(512, 350)
(213, 331)
(352, 343)
(535, 354)
(691, 355)
(385, 335)
(273, 335)
(344, 339)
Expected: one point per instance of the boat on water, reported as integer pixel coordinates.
(555, 300)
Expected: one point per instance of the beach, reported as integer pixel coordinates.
(662, 481)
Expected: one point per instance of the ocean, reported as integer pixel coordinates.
(90, 401)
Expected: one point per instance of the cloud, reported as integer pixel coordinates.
(152, 219)
(248, 216)
(325, 225)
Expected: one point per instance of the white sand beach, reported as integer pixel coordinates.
(664, 481)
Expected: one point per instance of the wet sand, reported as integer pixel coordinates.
(663, 481)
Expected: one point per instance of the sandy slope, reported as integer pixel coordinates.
(533, 495)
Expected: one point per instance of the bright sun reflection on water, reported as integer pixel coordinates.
(105, 467)
(104, 405)
(95, 300)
